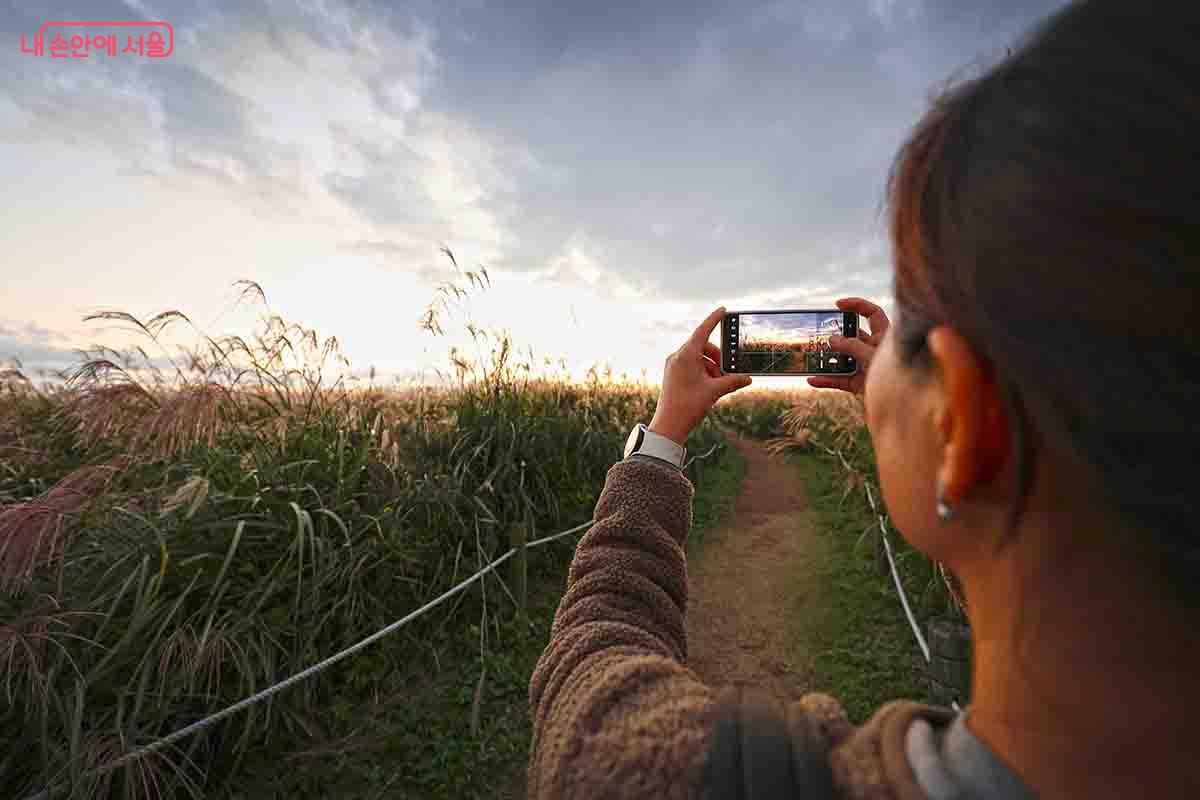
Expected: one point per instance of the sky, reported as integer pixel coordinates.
(788, 327)
(619, 168)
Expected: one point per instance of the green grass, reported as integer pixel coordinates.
(175, 538)
(717, 490)
(287, 562)
(866, 654)
(419, 739)
(415, 739)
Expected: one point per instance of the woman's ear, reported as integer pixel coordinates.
(969, 416)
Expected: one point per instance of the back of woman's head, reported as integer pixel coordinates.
(1050, 212)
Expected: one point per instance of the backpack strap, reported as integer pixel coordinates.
(762, 751)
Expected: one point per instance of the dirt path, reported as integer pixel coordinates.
(747, 583)
(749, 591)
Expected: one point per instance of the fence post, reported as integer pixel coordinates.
(949, 669)
(518, 538)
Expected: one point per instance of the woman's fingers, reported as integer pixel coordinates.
(863, 307)
(860, 305)
(701, 334)
(712, 360)
(862, 347)
(853, 347)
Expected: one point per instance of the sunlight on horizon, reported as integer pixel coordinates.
(555, 340)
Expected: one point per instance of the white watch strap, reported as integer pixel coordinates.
(659, 446)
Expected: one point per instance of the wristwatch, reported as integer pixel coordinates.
(647, 442)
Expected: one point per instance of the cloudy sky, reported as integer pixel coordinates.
(788, 327)
(619, 168)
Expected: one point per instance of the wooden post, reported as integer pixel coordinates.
(518, 574)
(949, 662)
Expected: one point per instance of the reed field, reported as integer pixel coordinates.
(776, 346)
(178, 532)
(772, 355)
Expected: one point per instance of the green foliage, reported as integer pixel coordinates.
(177, 538)
(866, 653)
(717, 481)
(758, 416)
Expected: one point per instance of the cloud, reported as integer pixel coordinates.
(576, 267)
(675, 152)
(208, 127)
(158, 118)
(721, 165)
(415, 256)
(716, 151)
(383, 177)
(34, 348)
(439, 180)
(313, 113)
(192, 111)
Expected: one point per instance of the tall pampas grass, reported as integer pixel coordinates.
(182, 526)
(35, 533)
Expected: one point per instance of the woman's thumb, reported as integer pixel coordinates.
(852, 347)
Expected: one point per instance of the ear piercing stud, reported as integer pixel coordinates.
(944, 511)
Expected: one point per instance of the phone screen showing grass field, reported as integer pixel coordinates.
(787, 343)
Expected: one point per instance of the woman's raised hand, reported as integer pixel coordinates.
(863, 348)
(692, 382)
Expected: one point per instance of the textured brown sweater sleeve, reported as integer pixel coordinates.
(616, 712)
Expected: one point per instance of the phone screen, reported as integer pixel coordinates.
(792, 342)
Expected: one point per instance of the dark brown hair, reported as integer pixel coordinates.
(1049, 211)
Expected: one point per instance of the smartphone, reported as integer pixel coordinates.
(787, 342)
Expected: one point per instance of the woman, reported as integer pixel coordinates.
(1033, 411)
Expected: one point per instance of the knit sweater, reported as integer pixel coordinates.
(616, 711)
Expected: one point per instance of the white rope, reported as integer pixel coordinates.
(706, 455)
(315, 668)
(554, 536)
(887, 547)
(285, 683)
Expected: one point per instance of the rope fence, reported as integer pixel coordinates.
(887, 548)
(308, 672)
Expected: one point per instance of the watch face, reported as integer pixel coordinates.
(632, 441)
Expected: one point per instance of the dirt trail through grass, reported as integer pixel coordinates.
(752, 583)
